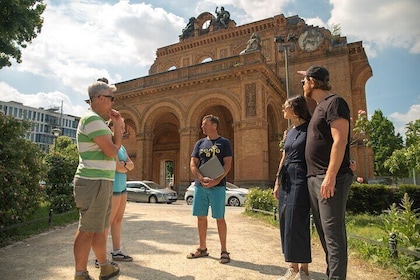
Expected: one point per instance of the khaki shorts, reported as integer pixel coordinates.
(94, 200)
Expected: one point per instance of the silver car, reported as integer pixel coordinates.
(235, 196)
(149, 191)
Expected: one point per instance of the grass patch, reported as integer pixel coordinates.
(37, 223)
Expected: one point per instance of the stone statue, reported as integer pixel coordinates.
(188, 29)
(254, 43)
(223, 17)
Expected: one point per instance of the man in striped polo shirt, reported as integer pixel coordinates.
(94, 178)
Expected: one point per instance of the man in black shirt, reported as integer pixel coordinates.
(329, 175)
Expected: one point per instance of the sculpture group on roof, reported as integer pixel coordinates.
(221, 20)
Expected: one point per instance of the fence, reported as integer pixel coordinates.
(49, 218)
(392, 244)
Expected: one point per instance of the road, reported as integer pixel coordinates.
(158, 237)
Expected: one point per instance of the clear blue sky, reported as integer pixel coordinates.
(83, 40)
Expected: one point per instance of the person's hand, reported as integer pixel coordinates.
(328, 187)
(276, 191)
(115, 117)
(353, 165)
(208, 182)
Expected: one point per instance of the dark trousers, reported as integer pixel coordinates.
(330, 221)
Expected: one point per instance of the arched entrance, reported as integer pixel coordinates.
(165, 154)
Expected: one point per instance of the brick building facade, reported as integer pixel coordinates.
(215, 69)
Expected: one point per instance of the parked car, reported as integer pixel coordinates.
(235, 196)
(149, 191)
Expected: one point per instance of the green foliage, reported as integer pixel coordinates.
(412, 133)
(21, 170)
(20, 22)
(383, 141)
(260, 199)
(61, 166)
(397, 164)
(405, 223)
(375, 198)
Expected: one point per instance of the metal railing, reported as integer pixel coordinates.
(392, 243)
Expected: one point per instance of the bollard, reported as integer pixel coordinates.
(50, 216)
(275, 213)
(392, 245)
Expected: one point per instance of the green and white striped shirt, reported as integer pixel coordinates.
(93, 163)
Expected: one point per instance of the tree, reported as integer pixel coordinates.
(402, 161)
(383, 140)
(21, 170)
(61, 164)
(20, 22)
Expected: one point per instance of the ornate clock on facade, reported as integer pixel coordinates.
(310, 39)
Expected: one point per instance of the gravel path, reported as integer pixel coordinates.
(159, 237)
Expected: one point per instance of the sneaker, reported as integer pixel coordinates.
(289, 275)
(97, 263)
(302, 276)
(120, 257)
(85, 276)
(109, 271)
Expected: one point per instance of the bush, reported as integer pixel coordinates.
(260, 199)
(59, 188)
(376, 198)
(21, 170)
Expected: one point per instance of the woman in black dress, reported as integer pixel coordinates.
(291, 189)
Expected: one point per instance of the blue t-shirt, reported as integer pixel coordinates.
(205, 148)
(120, 181)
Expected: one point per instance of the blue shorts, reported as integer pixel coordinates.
(205, 197)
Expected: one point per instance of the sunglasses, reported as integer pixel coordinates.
(304, 80)
(109, 96)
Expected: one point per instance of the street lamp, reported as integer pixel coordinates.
(56, 131)
(286, 44)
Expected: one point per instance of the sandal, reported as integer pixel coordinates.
(224, 257)
(198, 254)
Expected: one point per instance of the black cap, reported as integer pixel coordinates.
(317, 72)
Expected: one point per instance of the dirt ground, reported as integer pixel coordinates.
(158, 237)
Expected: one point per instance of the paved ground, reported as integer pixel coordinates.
(159, 238)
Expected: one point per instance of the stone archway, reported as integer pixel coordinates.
(165, 148)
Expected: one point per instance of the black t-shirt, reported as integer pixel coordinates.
(205, 148)
(319, 139)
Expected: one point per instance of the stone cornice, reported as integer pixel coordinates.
(222, 69)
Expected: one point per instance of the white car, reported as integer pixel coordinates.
(235, 196)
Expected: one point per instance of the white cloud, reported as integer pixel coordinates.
(42, 99)
(249, 10)
(379, 23)
(400, 119)
(80, 40)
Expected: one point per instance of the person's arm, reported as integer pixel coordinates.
(129, 164)
(276, 190)
(111, 144)
(339, 132)
(194, 168)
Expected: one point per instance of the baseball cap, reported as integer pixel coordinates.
(317, 72)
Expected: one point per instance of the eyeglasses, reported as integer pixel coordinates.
(109, 96)
(284, 107)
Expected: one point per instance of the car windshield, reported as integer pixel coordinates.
(231, 186)
(153, 185)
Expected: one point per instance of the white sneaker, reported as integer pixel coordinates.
(302, 276)
(289, 275)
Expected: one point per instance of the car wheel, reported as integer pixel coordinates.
(153, 199)
(189, 200)
(234, 201)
